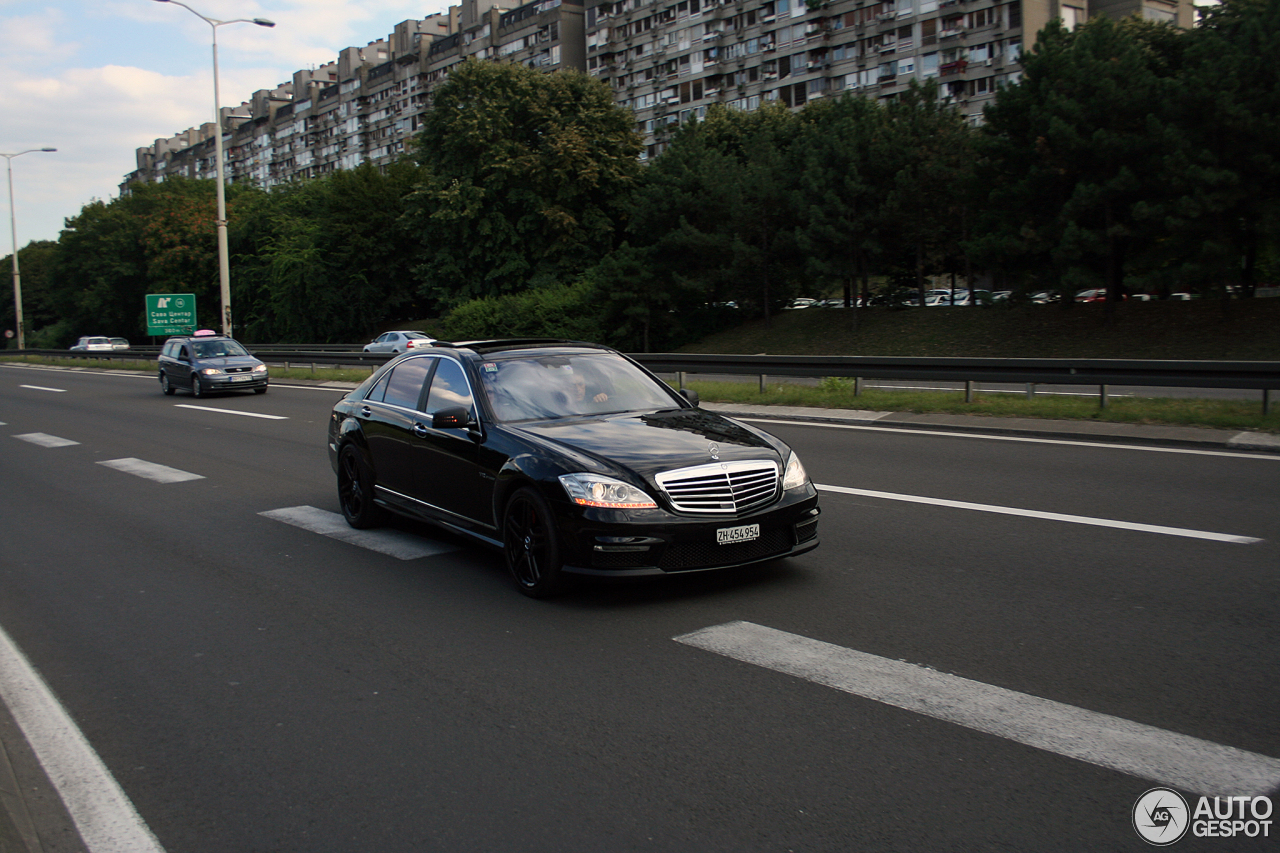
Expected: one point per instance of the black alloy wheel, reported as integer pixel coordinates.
(355, 491)
(529, 544)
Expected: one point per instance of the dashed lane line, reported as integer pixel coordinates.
(393, 543)
(1140, 750)
(150, 470)
(46, 440)
(43, 388)
(1049, 516)
(231, 412)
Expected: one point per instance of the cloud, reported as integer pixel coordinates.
(98, 79)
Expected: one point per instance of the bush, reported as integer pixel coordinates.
(555, 311)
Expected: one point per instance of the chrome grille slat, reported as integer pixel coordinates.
(721, 488)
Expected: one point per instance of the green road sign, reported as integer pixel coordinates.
(171, 313)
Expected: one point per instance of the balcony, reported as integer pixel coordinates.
(950, 68)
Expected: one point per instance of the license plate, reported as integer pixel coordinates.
(243, 377)
(730, 535)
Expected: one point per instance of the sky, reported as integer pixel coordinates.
(98, 79)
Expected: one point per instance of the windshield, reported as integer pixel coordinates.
(559, 386)
(218, 349)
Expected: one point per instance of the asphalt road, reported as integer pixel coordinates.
(947, 671)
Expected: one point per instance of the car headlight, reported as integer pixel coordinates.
(795, 477)
(211, 371)
(261, 368)
(597, 491)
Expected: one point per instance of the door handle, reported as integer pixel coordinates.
(365, 411)
(420, 430)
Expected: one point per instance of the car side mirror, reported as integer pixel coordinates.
(455, 417)
(690, 395)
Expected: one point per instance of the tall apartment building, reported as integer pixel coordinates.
(667, 60)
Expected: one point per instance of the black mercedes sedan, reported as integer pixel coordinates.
(570, 458)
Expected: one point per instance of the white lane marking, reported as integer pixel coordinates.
(1112, 742)
(1104, 445)
(231, 412)
(150, 470)
(42, 388)
(1049, 516)
(102, 813)
(393, 543)
(45, 440)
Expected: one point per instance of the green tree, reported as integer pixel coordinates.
(718, 211)
(1224, 208)
(328, 259)
(841, 185)
(35, 263)
(524, 175)
(930, 158)
(1072, 155)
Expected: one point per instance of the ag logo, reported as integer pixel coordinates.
(1161, 817)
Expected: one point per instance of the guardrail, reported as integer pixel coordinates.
(1262, 376)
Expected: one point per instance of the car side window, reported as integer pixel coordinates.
(377, 392)
(449, 388)
(405, 385)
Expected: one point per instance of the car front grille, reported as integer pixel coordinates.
(721, 488)
(239, 370)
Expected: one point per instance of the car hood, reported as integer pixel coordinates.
(228, 361)
(647, 444)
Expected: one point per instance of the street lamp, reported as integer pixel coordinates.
(13, 227)
(224, 262)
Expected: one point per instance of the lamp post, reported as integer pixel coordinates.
(224, 261)
(13, 227)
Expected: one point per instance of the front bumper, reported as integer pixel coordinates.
(655, 542)
(234, 382)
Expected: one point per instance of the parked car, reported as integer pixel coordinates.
(1095, 295)
(571, 459)
(398, 342)
(92, 344)
(119, 343)
(206, 362)
(802, 302)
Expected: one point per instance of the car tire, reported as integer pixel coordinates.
(529, 544)
(355, 490)
(165, 386)
(259, 390)
(197, 389)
